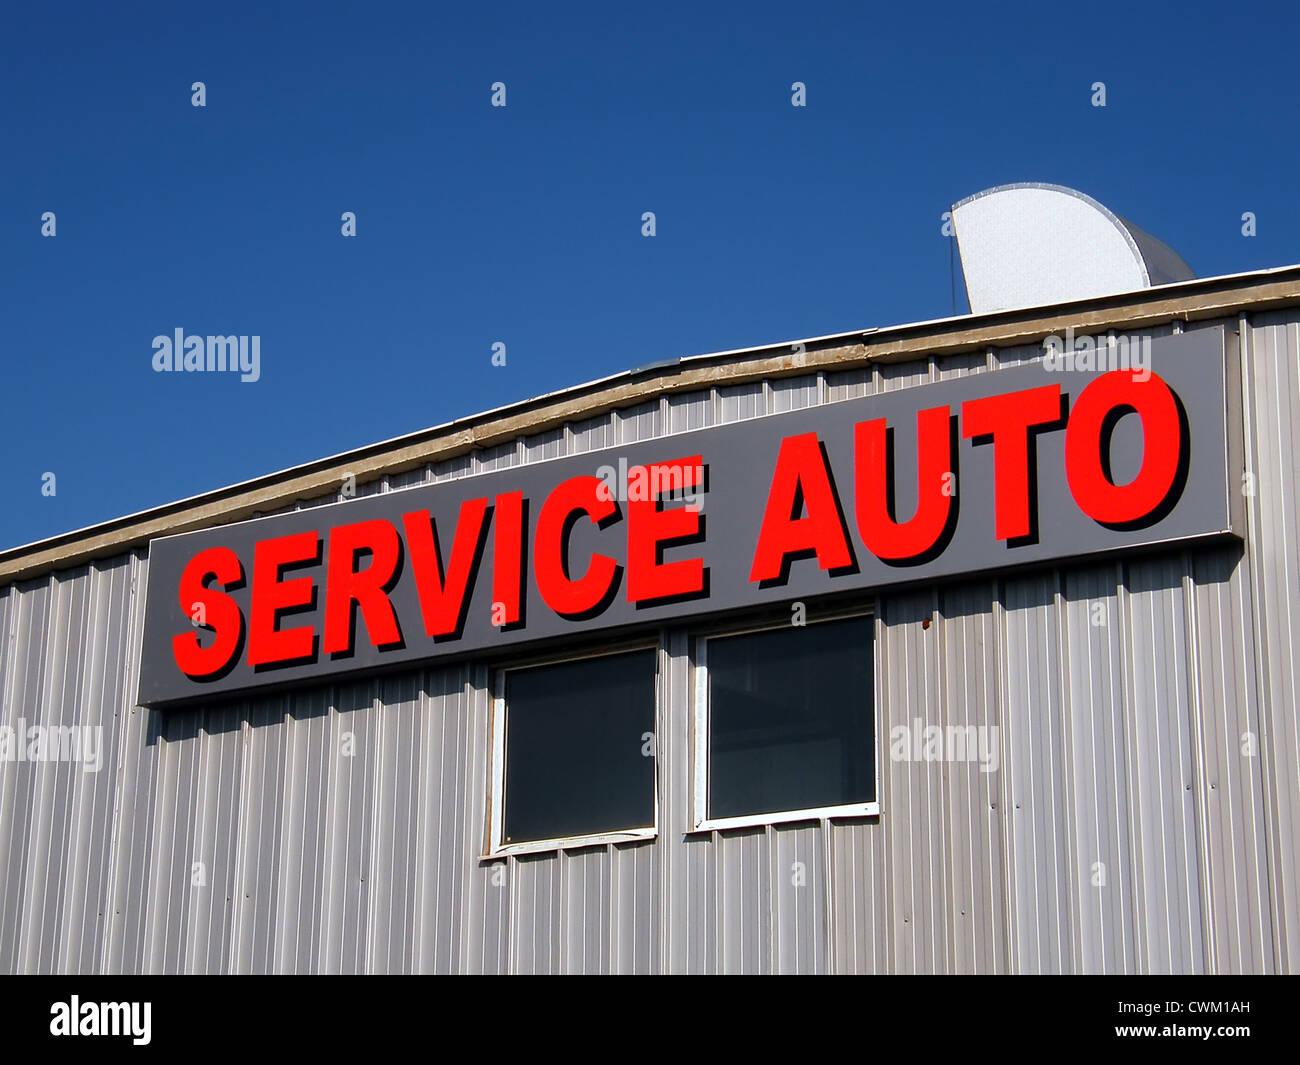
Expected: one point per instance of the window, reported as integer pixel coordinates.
(573, 755)
(785, 724)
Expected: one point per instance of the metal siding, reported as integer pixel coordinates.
(1235, 852)
(105, 698)
(1271, 373)
(849, 384)
(264, 729)
(914, 819)
(977, 848)
(548, 445)
(1015, 355)
(687, 879)
(1145, 817)
(394, 848)
(126, 904)
(634, 909)
(449, 469)
(499, 457)
(441, 844)
(21, 828)
(1101, 866)
(1161, 770)
(535, 901)
(794, 393)
(407, 478)
(641, 422)
(738, 402)
(895, 375)
(962, 365)
(799, 916)
(691, 410)
(489, 926)
(742, 900)
(591, 435)
(302, 828)
(586, 947)
(1034, 798)
(52, 782)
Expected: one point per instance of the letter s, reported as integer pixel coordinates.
(221, 613)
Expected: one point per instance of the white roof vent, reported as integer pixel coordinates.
(1032, 245)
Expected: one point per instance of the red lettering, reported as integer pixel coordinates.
(1008, 419)
(801, 472)
(883, 536)
(508, 559)
(219, 612)
(271, 595)
(367, 589)
(564, 594)
(1088, 433)
(649, 527)
(443, 600)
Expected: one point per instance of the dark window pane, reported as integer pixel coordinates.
(574, 732)
(791, 719)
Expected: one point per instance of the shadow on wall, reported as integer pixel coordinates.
(1088, 582)
(1135, 572)
(306, 703)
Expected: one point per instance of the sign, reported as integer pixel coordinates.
(1025, 465)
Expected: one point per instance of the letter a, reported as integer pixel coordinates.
(801, 474)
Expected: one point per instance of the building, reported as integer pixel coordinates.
(1031, 736)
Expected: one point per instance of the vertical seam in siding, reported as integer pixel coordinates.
(1201, 794)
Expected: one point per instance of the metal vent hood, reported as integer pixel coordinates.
(1033, 245)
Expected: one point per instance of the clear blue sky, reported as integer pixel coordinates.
(523, 224)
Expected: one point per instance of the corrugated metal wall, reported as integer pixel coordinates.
(1145, 815)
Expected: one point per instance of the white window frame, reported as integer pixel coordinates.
(496, 847)
(701, 822)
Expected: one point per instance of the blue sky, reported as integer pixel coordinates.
(523, 224)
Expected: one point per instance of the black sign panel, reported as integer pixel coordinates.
(1038, 462)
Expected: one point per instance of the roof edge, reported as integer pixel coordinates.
(1184, 300)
